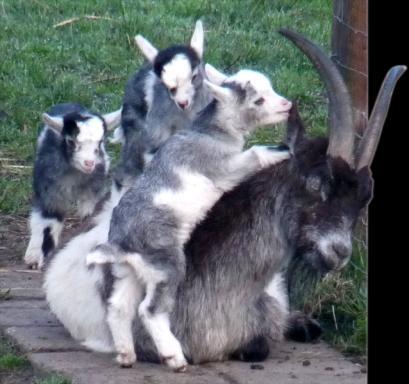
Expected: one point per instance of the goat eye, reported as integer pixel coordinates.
(259, 101)
(70, 142)
(194, 77)
(172, 90)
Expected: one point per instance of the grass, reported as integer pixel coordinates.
(10, 358)
(52, 379)
(88, 61)
(15, 366)
(340, 303)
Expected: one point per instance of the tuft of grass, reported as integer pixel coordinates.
(10, 358)
(10, 361)
(53, 379)
(15, 365)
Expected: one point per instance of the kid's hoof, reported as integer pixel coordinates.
(181, 369)
(33, 259)
(126, 360)
(178, 364)
(302, 328)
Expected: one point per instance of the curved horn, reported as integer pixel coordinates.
(369, 142)
(341, 124)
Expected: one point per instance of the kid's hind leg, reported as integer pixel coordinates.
(155, 309)
(121, 312)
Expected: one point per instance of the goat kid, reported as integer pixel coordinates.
(160, 99)
(70, 171)
(155, 217)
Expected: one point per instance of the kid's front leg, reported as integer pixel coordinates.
(246, 163)
(44, 236)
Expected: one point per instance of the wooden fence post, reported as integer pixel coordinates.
(350, 52)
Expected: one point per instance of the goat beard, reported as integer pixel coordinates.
(302, 280)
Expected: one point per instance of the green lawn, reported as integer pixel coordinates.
(15, 368)
(89, 60)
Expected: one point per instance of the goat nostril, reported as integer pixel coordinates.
(285, 102)
(183, 104)
(341, 250)
(89, 163)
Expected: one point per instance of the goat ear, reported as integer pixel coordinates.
(112, 119)
(54, 122)
(215, 76)
(147, 49)
(197, 40)
(219, 93)
(295, 129)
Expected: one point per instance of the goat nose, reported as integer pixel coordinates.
(183, 104)
(342, 250)
(285, 103)
(89, 163)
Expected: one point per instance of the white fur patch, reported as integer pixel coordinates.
(191, 201)
(72, 289)
(90, 134)
(178, 70)
(178, 74)
(147, 158)
(150, 81)
(260, 82)
(325, 244)
(42, 135)
(90, 130)
(276, 288)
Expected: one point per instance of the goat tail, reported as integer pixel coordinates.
(103, 254)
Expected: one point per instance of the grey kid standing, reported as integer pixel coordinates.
(163, 97)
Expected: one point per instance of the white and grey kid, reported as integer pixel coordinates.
(155, 217)
(70, 171)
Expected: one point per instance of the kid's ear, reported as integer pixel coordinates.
(197, 40)
(112, 119)
(147, 49)
(215, 76)
(54, 122)
(219, 93)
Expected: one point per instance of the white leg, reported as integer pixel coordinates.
(276, 288)
(158, 326)
(40, 228)
(121, 313)
(249, 162)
